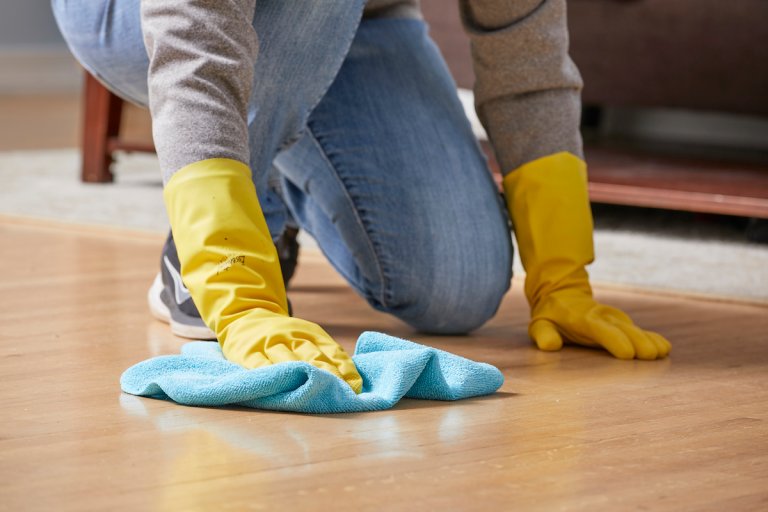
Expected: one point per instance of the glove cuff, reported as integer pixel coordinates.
(228, 260)
(549, 206)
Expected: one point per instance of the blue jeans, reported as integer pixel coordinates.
(369, 143)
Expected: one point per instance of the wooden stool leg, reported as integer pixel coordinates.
(101, 123)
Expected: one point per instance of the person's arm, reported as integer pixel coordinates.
(527, 89)
(202, 56)
(527, 95)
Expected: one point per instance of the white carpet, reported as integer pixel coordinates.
(644, 249)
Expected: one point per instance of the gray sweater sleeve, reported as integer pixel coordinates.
(527, 89)
(201, 63)
(201, 59)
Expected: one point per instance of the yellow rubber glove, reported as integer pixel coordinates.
(231, 268)
(549, 205)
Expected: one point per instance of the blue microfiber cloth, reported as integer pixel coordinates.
(391, 369)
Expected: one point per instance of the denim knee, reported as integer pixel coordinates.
(451, 292)
(105, 37)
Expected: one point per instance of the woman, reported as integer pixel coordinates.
(353, 107)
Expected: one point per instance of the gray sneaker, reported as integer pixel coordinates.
(170, 301)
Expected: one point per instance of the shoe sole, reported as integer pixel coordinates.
(160, 311)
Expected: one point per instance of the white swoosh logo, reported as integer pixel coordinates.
(181, 292)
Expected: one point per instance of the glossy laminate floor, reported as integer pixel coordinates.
(574, 430)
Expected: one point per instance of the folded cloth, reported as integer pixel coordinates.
(391, 369)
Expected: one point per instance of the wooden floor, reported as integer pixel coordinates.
(574, 430)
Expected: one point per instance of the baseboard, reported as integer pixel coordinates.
(45, 69)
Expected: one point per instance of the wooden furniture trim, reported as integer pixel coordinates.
(102, 114)
(101, 123)
(684, 200)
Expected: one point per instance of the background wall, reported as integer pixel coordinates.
(33, 55)
(27, 23)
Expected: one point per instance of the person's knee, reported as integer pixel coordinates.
(108, 43)
(451, 306)
(452, 293)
